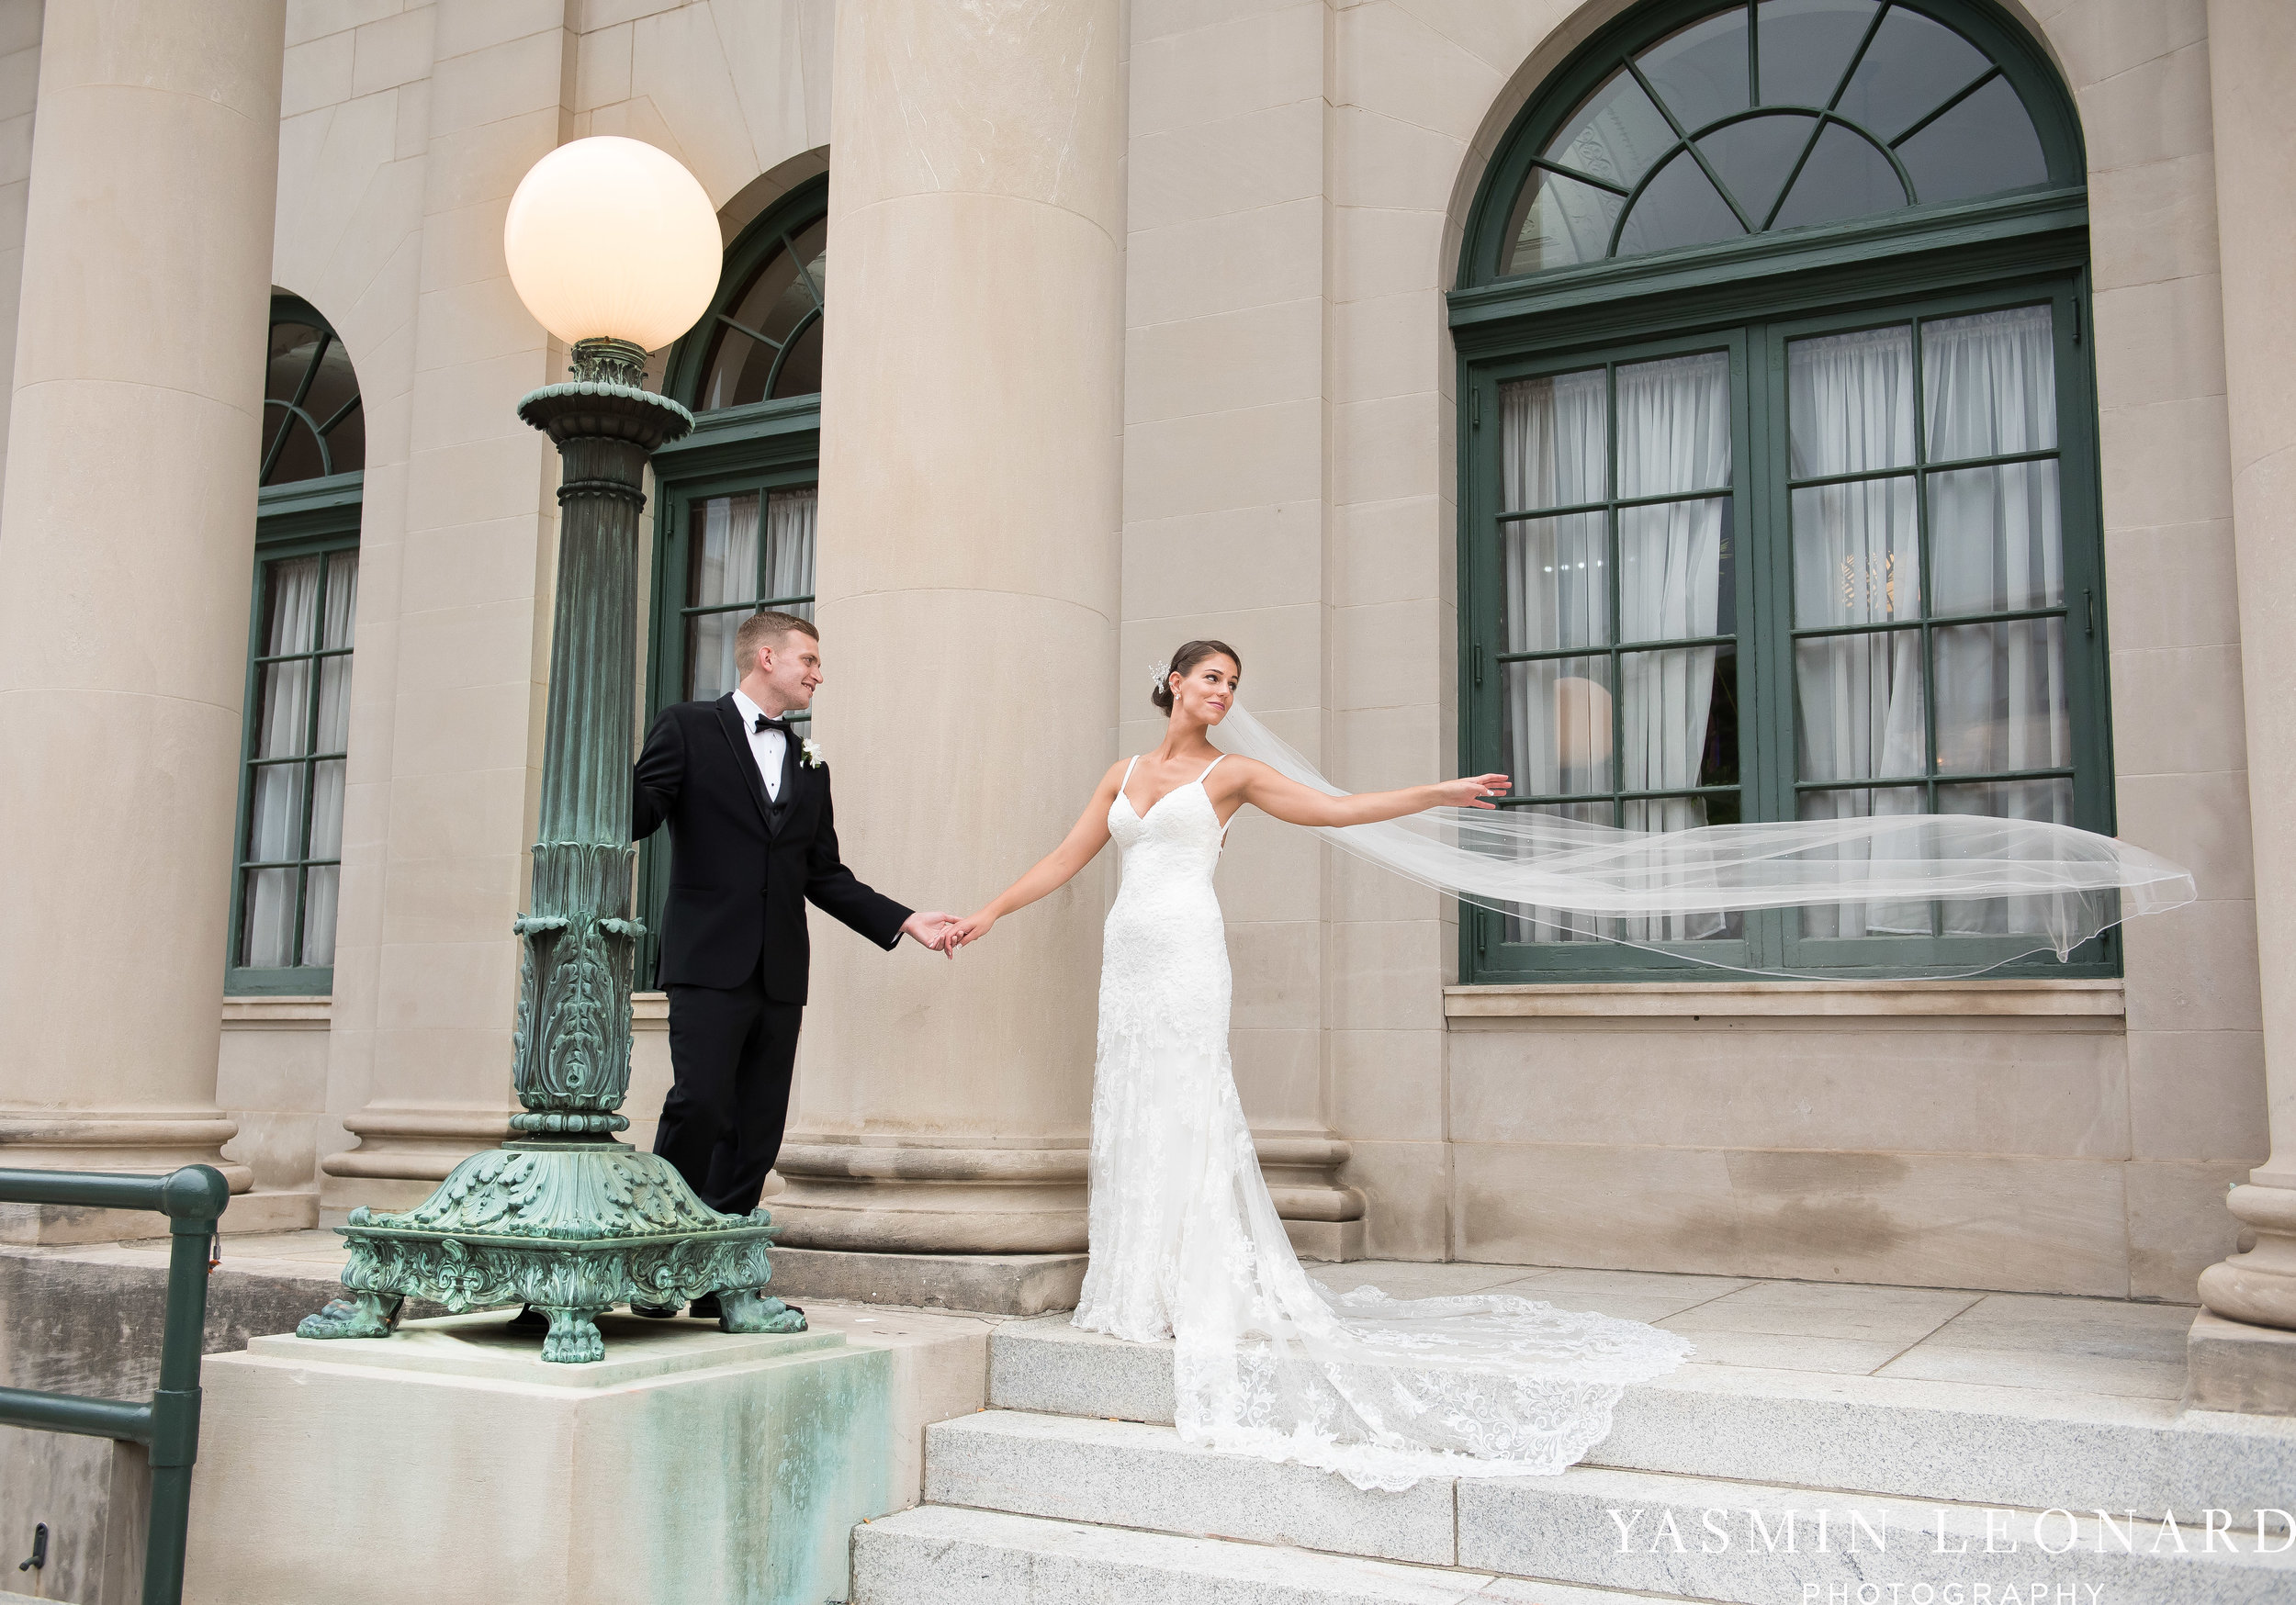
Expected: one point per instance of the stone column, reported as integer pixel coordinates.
(970, 505)
(127, 549)
(2251, 43)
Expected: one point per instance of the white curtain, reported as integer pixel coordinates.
(1674, 437)
(1555, 733)
(1988, 385)
(283, 729)
(727, 573)
(725, 559)
(790, 516)
(323, 881)
(276, 807)
(1989, 389)
(1857, 560)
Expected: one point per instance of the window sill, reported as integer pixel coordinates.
(277, 1013)
(2084, 999)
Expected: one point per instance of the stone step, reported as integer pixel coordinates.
(1953, 1440)
(1732, 1541)
(937, 1554)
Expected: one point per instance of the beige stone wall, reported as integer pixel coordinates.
(1296, 171)
(2140, 73)
(19, 88)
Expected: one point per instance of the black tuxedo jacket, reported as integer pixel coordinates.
(741, 869)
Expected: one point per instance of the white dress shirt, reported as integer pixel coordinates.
(767, 747)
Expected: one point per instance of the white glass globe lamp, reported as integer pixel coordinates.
(610, 239)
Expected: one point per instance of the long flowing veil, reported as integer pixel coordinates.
(2069, 884)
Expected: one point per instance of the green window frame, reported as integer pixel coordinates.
(754, 449)
(1749, 299)
(287, 855)
(314, 520)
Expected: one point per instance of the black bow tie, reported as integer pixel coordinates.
(767, 722)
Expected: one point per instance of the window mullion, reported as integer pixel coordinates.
(1929, 589)
(1818, 124)
(1951, 101)
(1784, 761)
(1613, 599)
(1754, 55)
(310, 764)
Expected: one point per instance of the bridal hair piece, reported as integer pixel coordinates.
(1183, 663)
(1541, 867)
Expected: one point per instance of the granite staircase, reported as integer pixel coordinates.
(1718, 1482)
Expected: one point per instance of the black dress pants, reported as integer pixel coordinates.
(731, 1053)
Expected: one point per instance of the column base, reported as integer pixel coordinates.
(857, 1198)
(2231, 1365)
(403, 1155)
(140, 1142)
(1323, 1216)
(981, 1284)
(853, 1198)
(2257, 1287)
(1331, 1242)
(260, 1211)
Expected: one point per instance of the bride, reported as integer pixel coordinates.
(1186, 1242)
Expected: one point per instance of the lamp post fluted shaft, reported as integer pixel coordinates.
(571, 1053)
(564, 1216)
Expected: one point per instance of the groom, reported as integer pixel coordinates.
(751, 843)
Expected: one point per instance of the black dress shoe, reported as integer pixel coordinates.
(705, 1307)
(528, 1320)
(653, 1311)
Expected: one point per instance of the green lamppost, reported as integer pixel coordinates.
(614, 248)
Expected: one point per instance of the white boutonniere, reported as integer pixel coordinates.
(809, 752)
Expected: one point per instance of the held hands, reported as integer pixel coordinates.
(932, 930)
(1471, 791)
(969, 930)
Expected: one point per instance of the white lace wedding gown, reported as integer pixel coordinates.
(1186, 1242)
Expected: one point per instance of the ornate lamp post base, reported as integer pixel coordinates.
(572, 1228)
(563, 1217)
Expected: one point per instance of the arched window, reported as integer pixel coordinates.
(764, 340)
(1779, 445)
(312, 423)
(296, 727)
(734, 501)
(1779, 115)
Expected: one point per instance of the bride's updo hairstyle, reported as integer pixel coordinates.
(1183, 663)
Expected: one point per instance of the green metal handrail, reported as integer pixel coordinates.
(168, 1423)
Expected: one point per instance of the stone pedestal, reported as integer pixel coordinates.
(126, 553)
(450, 1463)
(2250, 41)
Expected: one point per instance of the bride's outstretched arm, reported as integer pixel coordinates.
(1053, 871)
(1294, 803)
